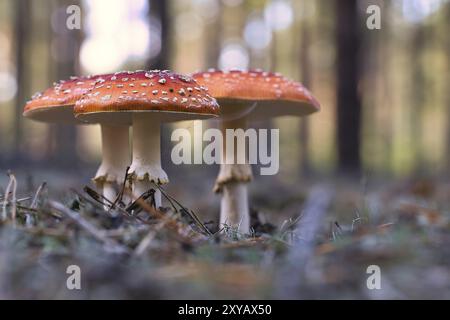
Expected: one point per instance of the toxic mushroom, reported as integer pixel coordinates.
(245, 96)
(145, 100)
(56, 105)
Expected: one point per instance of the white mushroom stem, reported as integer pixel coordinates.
(234, 208)
(115, 160)
(232, 183)
(146, 164)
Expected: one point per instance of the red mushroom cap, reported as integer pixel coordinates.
(56, 103)
(271, 93)
(177, 96)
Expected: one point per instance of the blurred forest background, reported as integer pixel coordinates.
(384, 93)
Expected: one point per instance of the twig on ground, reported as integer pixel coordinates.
(34, 203)
(122, 190)
(98, 200)
(178, 230)
(135, 206)
(292, 273)
(10, 189)
(96, 196)
(88, 227)
(19, 200)
(191, 213)
(145, 242)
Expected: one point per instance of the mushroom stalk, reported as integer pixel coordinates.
(146, 164)
(232, 183)
(115, 160)
(234, 208)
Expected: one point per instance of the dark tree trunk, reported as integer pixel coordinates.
(160, 10)
(348, 99)
(67, 64)
(22, 29)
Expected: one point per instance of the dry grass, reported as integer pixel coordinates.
(139, 252)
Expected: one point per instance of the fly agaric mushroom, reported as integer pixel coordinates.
(145, 100)
(244, 96)
(56, 105)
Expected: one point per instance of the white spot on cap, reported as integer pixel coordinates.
(162, 81)
(185, 78)
(36, 95)
(106, 98)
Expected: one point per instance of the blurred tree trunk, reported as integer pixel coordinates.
(348, 75)
(305, 72)
(159, 9)
(51, 76)
(22, 29)
(385, 49)
(448, 91)
(418, 95)
(214, 34)
(66, 47)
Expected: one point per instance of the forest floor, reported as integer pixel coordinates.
(402, 228)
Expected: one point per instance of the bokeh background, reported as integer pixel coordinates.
(384, 93)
